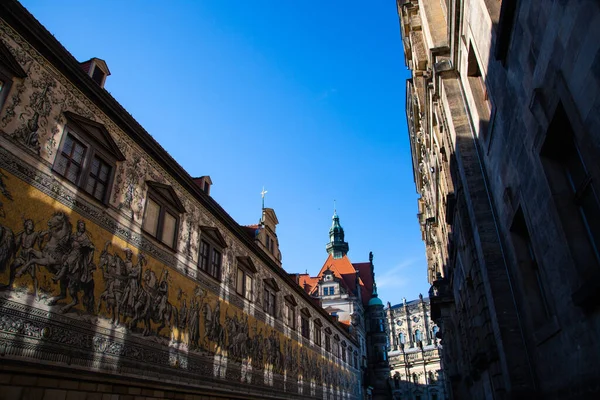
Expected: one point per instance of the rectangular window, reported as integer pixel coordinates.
(573, 189)
(290, 316)
(84, 163)
(531, 278)
(161, 216)
(150, 223)
(478, 90)
(305, 327)
(97, 182)
(70, 159)
(317, 335)
(269, 301)
(168, 233)
(204, 251)
(249, 286)
(327, 342)
(215, 265)
(343, 354)
(244, 284)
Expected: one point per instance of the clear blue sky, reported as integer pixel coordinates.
(303, 97)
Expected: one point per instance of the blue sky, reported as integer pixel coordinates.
(305, 98)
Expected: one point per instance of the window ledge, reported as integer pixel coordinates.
(546, 331)
(154, 240)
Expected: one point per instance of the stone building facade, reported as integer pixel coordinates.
(414, 352)
(504, 124)
(121, 276)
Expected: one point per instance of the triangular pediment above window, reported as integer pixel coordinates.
(272, 283)
(305, 311)
(168, 194)
(246, 262)
(8, 61)
(291, 299)
(213, 234)
(96, 132)
(328, 330)
(318, 322)
(336, 337)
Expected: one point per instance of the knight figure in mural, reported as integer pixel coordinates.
(134, 280)
(24, 245)
(115, 277)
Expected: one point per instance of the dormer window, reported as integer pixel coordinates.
(96, 69)
(98, 76)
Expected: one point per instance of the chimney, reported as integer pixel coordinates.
(96, 69)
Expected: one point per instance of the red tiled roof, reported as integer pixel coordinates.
(346, 271)
(307, 282)
(250, 230)
(364, 269)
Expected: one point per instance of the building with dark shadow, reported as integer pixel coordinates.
(503, 110)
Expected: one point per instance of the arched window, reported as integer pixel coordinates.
(418, 336)
(402, 338)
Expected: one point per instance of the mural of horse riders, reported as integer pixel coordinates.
(115, 276)
(133, 293)
(238, 339)
(65, 254)
(213, 330)
(151, 303)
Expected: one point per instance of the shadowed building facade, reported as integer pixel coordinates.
(504, 128)
(120, 275)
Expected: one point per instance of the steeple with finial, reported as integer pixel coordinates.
(336, 246)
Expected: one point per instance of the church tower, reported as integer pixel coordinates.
(336, 246)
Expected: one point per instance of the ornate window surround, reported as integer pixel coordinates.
(168, 204)
(244, 283)
(210, 257)
(9, 70)
(270, 290)
(98, 146)
(290, 311)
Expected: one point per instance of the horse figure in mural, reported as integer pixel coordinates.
(213, 330)
(152, 305)
(114, 273)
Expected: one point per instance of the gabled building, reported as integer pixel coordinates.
(347, 291)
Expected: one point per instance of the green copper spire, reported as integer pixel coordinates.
(336, 246)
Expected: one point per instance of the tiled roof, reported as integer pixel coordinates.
(307, 282)
(346, 271)
(366, 277)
